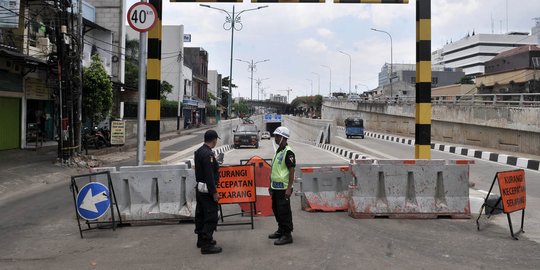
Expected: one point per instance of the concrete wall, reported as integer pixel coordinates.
(505, 128)
(305, 129)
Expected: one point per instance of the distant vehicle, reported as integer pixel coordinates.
(354, 127)
(246, 134)
(265, 135)
(354, 97)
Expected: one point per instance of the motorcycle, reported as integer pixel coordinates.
(95, 138)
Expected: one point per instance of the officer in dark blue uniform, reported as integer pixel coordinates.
(207, 176)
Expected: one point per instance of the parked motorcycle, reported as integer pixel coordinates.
(95, 137)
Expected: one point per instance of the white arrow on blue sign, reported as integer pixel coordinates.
(93, 201)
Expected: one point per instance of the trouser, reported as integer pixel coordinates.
(282, 211)
(206, 217)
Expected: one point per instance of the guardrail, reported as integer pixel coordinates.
(511, 100)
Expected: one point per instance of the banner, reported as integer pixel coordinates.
(118, 132)
(237, 184)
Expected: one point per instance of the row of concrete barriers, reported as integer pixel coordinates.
(389, 188)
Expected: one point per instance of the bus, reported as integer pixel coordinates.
(354, 127)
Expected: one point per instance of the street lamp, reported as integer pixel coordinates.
(231, 21)
(259, 82)
(311, 83)
(391, 59)
(319, 83)
(350, 68)
(330, 88)
(252, 66)
(367, 87)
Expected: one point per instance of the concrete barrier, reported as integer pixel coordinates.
(324, 188)
(410, 189)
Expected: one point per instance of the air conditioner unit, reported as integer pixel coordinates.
(44, 44)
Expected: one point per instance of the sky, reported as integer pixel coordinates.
(299, 38)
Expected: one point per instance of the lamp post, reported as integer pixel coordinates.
(231, 21)
(311, 83)
(259, 82)
(391, 59)
(330, 88)
(251, 67)
(319, 83)
(350, 68)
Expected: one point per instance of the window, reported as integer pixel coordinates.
(413, 80)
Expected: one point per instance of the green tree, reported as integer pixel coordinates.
(97, 91)
(132, 62)
(166, 88)
(241, 108)
(466, 80)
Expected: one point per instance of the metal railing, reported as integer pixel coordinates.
(508, 100)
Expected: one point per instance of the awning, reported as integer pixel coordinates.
(20, 57)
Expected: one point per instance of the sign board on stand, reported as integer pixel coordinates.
(237, 185)
(513, 189)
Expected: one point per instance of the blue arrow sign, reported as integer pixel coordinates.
(93, 201)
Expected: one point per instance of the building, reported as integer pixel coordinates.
(472, 52)
(30, 92)
(512, 71)
(197, 60)
(278, 98)
(404, 79)
(215, 87)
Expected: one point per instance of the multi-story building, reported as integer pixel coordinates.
(512, 71)
(197, 60)
(404, 79)
(278, 98)
(472, 52)
(29, 88)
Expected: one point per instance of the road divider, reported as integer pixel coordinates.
(324, 188)
(410, 189)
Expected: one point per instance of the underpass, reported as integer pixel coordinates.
(322, 240)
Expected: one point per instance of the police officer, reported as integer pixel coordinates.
(207, 176)
(281, 178)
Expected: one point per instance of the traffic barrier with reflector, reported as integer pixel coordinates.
(324, 188)
(410, 189)
(263, 206)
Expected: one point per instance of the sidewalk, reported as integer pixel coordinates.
(27, 169)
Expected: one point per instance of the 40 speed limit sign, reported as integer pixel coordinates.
(142, 16)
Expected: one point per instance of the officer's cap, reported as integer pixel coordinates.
(210, 135)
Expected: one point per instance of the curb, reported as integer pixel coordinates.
(343, 151)
(526, 163)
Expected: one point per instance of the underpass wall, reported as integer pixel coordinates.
(505, 128)
(306, 129)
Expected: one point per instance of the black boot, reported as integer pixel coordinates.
(200, 242)
(210, 249)
(283, 240)
(275, 235)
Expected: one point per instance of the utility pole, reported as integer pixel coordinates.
(259, 82)
(289, 90)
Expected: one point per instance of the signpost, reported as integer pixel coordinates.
(94, 200)
(237, 185)
(118, 132)
(513, 197)
(142, 16)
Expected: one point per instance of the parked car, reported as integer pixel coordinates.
(246, 134)
(265, 135)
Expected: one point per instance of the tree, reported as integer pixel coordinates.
(466, 80)
(225, 83)
(166, 88)
(241, 108)
(97, 94)
(132, 63)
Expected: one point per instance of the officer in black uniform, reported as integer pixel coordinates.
(207, 176)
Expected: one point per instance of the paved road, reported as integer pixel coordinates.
(39, 231)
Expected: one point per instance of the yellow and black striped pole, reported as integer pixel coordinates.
(153, 87)
(422, 147)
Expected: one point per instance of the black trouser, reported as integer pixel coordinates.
(282, 211)
(206, 217)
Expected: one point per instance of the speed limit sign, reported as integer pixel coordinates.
(142, 16)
